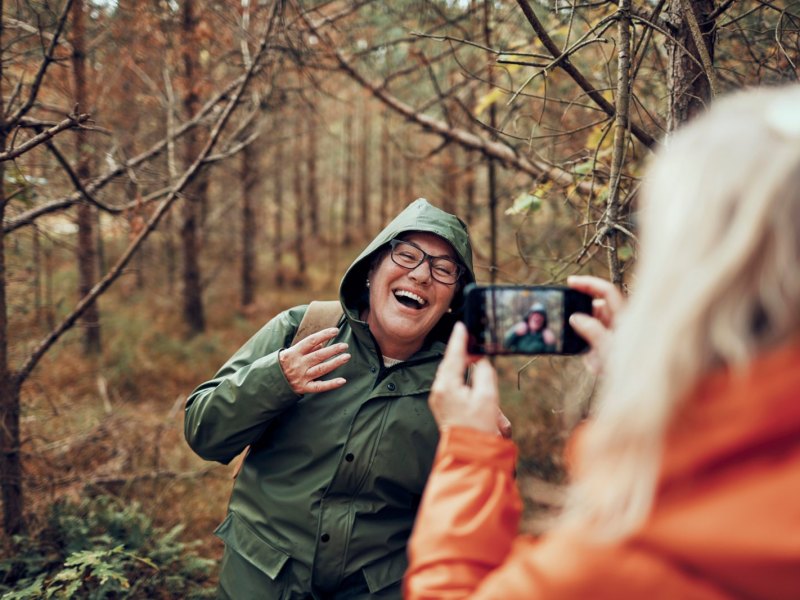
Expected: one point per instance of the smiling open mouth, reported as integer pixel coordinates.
(410, 299)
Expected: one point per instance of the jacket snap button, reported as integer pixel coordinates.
(391, 387)
(325, 537)
(372, 369)
(349, 457)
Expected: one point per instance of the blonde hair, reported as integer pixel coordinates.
(718, 282)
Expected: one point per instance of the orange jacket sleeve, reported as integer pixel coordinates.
(465, 542)
(468, 518)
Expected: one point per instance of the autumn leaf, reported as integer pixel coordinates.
(525, 203)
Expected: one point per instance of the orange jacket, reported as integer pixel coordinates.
(725, 523)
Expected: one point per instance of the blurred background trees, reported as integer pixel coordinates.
(175, 172)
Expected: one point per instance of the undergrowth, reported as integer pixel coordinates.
(100, 548)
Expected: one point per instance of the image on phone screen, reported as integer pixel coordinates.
(524, 320)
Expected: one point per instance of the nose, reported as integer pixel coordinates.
(422, 272)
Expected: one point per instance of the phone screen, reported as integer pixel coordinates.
(524, 319)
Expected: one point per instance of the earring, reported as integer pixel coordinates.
(367, 282)
(449, 310)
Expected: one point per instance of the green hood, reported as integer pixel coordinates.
(420, 215)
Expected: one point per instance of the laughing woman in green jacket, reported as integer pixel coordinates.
(341, 437)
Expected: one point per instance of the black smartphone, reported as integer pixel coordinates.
(506, 319)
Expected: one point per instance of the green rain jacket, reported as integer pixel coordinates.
(333, 480)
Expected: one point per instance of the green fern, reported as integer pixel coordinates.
(102, 549)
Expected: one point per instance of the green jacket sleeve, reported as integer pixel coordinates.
(232, 410)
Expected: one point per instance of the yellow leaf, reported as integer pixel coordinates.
(496, 95)
(596, 139)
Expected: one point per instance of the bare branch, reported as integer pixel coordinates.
(47, 59)
(491, 149)
(70, 122)
(781, 46)
(30, 216)
(102, 285)
(234, 148)
(17, 24)
(345, 12)
(720, 10)
(576, 75)
(582, 43)
(76, 181)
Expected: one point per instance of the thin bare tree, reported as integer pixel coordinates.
(15, 110)
(86, 251)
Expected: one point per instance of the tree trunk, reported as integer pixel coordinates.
(193, 314)
(409, 181)
(312, 188)
(10, 459)
(491, 167)
(364, 190)
(277, 179)
(386, 169)
(610, 223)
(10, 462)
(38, 302)
(349, 168)
(170, 253)
(87, 256)
(299, 208)
(470, 184)
(192, 289)
(395, 193)
(469, 191)
(450, 179)
(690, 89)
(170, 221)
(249, 179)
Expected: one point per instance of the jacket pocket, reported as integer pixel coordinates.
(240, 537)
(386, 571)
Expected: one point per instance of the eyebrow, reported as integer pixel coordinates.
(416, 245)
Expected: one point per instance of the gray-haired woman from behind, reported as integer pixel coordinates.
(685, 481)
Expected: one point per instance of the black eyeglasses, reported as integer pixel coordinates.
(409, 256)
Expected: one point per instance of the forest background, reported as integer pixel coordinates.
(176, 172)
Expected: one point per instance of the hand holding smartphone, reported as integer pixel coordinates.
(526, 320)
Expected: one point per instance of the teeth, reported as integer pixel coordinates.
(419, 300)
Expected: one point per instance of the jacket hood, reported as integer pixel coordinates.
(420, 215)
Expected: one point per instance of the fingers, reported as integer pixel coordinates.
(608, 299)
(309, 359)
(602, 312)
(503, 424)
(454, 403)
(484, 380)
(597, 334)
(451, 369)
(324, 386)
(323, 368)
(323, 354)
(589, 328)
(315, 340)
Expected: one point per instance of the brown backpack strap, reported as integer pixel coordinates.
(319, 315)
